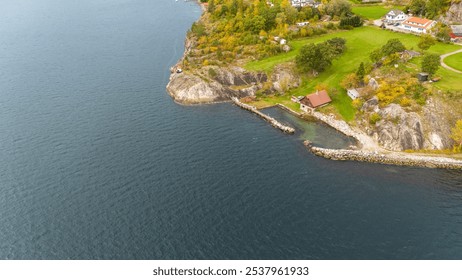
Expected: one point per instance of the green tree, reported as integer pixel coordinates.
(417, 7)
(254, 24)
(436, 7)
(456, 134)
(426, 41)
(430, 63)
(442, 32)
(313, 57)
(393, 46)
(376, 55)
(338, 45)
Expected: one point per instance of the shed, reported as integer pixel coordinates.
(354, 93)
(422, 77)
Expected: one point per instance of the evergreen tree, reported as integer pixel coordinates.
(361, 72)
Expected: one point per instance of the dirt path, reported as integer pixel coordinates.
(446, 66)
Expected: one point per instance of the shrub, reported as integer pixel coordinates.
(374, 118)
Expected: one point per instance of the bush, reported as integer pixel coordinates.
(374, 118)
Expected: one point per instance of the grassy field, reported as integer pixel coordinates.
(455, 61)
(373, 11)
(360, 42)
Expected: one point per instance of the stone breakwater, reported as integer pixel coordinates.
(272, 121)
(393, 158)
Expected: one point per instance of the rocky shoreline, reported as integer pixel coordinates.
(232, 83)
(370, 151)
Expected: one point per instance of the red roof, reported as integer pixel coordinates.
(418, 22)
(318, 98)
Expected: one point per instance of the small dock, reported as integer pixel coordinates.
(275, 123)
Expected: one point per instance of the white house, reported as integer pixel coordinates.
(354, 93)
(304, 3)
(283, 41)
(396, 16)
(305, 23)
(418, 25)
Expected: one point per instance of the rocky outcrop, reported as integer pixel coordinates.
(213, 84)
(437, 124)
(284, 77)
(191, 89)
(454, 14)
(398, 130)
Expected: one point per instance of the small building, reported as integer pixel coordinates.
(304, 23)
(354, 93)
(396, 16)
(456, 33)
(304, 3)
(417, 25)
(422, 77)
(283, 41)
(315, 100)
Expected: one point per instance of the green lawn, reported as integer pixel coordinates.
(360, 42)
(455, 61)
(373, 11)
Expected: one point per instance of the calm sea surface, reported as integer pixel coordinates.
(97, 162)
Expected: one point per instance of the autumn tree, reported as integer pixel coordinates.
(338, 8)
(350, 81)
(426, 41)
(456, 134)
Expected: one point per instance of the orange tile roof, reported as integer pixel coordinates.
(418, 22)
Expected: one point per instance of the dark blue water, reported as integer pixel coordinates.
(97, 162)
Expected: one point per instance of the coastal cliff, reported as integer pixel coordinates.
(214, 84)
(399, 130)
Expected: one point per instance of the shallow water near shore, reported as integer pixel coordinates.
(98, 162)
(316, 132)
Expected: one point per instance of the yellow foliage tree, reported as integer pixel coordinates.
(388, 93)
(457, 134)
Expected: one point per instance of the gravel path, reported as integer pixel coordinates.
(445, 65)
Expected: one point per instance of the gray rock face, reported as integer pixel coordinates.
(237, 77)
(437, 126)
(285, 78)
(371, 105)
(454, 14)
(190, 89)
(187, 88)
(398, 130)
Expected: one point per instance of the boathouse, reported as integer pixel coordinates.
(315, 100)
